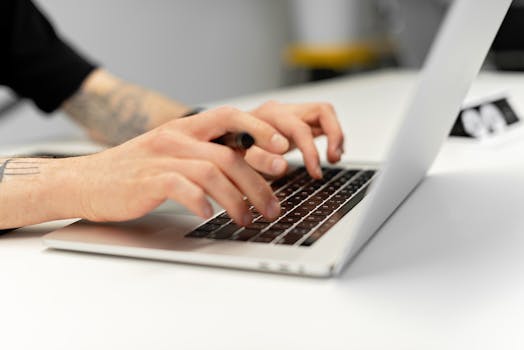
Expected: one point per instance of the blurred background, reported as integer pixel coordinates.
(198, 51)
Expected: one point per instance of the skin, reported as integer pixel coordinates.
(158, 156)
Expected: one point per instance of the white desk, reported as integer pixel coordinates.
(446, 272)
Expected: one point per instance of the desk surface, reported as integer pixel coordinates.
(444, 272)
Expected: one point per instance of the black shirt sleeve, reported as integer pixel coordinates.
(34, 61)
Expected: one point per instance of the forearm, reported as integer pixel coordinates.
(34, 190)
(114, 111)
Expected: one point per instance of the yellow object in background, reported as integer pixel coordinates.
(336, 35)
(336, 57)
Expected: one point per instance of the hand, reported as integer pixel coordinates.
(176, 161)
(300, 123)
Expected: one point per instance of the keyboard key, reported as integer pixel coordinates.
(226, 231)
(263, 220)
(290, 238)
(284, 209)
(307, 224)
(257, 226)
(209, 227)
(298, 213)
(291, 219)
(314, 218)
(272, 233)
(281, 195)
(246, 235)
(308, 242)
(221, 235)
(322, 212)
(220, 221)
(224, 215)
(282, 225)
(299, 230)
(264, 239)
(319, 232)
(197, 234)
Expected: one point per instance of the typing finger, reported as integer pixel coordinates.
(266, 162)
(215, 183)
(178, 188)
(302, 136)
(247, 180)
(325, 116)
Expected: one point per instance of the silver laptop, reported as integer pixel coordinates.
(325, 222)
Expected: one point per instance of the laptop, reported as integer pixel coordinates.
(324, 223)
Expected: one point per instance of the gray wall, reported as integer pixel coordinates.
(191, 50)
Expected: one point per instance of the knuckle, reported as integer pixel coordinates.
(162, 139)
(325, 109)
(229, 157)
(225, 111)
(328, 106)
(208, 171)
(159, 139)
(262, 127)
(146, 173)
(196, 195)
(304, 129)
(171, 183)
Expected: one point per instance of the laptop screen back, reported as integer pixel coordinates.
(452, 64)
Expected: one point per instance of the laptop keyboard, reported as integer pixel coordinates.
(309, 208)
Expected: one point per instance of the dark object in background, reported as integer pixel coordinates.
(485, 119)
(507, 52)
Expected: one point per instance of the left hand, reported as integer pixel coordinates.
(300, 123)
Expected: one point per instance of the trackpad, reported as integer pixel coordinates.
(152, 231)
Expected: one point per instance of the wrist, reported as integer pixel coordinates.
(61, 189)
(36, 190)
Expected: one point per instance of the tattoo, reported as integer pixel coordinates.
(13, 167)
(116, 116)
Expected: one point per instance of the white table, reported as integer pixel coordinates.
(446, 271)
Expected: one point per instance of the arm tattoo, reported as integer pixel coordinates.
(13, 167)
(117, 116)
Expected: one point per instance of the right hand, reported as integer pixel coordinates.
(176, 161)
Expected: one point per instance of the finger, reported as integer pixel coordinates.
(301, 134)
(316, 131)
(211, 179)
(227, 119)
(266, 162)
(247, 180)
(183, 191)
(331, 127)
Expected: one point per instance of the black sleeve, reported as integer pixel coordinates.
(34, 61)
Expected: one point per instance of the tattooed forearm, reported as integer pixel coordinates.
(116, 116)
(15, 167)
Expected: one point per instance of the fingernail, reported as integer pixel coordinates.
(279, 142)
(273, 209)
(318, 172)
(278, 166)
(208, 211)
(248, 219)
